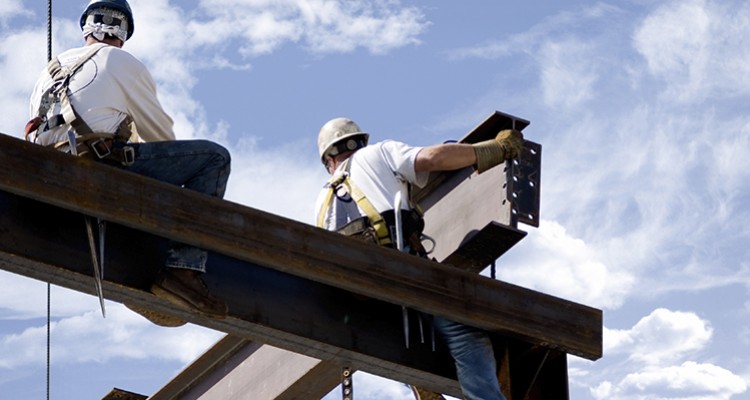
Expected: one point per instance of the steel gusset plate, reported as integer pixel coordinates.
(524, 184)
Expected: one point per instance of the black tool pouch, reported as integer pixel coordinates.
(360, 229)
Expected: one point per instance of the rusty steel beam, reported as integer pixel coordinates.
(297, 249)
(348, 302)
(48, 243)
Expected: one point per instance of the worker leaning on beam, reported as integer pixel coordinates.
(358, 200)
(102, 100)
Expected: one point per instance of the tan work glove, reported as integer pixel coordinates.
(506, 145)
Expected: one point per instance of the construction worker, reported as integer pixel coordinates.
(100, 101)
(358, 201)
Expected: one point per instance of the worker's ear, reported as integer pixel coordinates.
(330, 164)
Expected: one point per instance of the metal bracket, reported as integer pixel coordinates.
(524, 184)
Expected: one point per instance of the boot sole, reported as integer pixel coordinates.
(176, 299)
(156, 318)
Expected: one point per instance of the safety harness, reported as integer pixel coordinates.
(374, 226)
(82, 140)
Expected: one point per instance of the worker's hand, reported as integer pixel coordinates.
(511, 141)
(506, 145)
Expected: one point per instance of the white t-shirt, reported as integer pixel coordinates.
(379, 171)
(107, 88)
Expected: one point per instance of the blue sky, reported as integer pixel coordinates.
(640, 106)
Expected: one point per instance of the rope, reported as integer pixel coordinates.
(48, 335)
(49, 308)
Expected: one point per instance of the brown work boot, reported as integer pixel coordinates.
(185, 288)
(155, 317)
(424, 394)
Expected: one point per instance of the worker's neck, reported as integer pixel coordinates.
(110, 41)
(339, 159)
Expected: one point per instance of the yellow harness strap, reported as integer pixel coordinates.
(376, 220)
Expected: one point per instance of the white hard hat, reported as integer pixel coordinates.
(337, 131)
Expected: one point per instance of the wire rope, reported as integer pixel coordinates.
(49, 294)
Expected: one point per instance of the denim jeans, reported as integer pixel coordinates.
(198, 165)
(472, 351)
(474, 356)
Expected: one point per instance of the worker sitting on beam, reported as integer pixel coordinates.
(100, 101)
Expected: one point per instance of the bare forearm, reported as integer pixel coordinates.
(445, 157)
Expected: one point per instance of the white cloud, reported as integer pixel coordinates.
(379, 27)
(559, 25)
(12, 9)
(23, 56)
(690, 380)
(122, 334)
(697, 47)
(673, 36)
(26, 299)
(552, 261)
(660, 337)
(323, 26)
(659, 354)
(18, 50)
(567, 74)
(284, 181)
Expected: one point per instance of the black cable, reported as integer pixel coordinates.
(48, 335)
(49, 308)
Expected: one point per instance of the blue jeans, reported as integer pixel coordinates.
(198, 165)
(472, 351)
(474, 356)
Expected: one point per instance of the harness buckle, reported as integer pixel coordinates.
(128, 156)
(101, 148)
(337, 179)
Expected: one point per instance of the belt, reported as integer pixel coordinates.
(101, 147)
(104, 149)
(412, 231)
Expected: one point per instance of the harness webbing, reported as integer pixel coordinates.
(58, 92)
(56, 71)
(343, 179)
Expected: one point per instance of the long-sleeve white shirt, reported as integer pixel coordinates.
(110, 86)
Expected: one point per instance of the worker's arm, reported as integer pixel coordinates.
(445, 157)
(484, 155)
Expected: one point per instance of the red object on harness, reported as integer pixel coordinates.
(31, 126)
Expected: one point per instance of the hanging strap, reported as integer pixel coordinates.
(343, 179)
